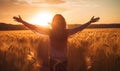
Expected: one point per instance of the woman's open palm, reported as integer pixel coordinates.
(18, 19)
(94, 19)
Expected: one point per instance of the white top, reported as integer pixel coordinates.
(58, 54)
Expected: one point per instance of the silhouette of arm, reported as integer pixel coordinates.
(80, 28)
(37, 29)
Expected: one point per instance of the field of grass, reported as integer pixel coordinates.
(89, 50)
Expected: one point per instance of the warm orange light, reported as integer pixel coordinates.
(42, 19)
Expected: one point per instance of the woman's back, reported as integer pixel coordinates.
(58, 44)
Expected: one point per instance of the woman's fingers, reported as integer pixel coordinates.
(19, 16)
(92, 18)
(14, 17)
(97, 18)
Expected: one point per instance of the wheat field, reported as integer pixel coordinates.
(88, 50)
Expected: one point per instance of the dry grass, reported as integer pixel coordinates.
(89, 50)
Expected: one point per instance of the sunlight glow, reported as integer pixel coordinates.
(42, 19)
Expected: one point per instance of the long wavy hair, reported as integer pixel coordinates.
(58, 31)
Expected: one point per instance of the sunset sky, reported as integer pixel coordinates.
(74, 11)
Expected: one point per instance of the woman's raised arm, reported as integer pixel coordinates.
(80, 28)
(35, 28)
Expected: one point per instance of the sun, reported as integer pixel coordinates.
(42, 19)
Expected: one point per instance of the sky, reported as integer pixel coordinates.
(74, 11)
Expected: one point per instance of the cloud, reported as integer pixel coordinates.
(48, 1)
(13, 2)
(55, 1)
(30, 2)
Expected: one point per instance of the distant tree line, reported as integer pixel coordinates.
(4, 26)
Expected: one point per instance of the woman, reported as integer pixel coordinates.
(58, 35)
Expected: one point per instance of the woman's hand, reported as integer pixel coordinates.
(18, 19)
(94, 19)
